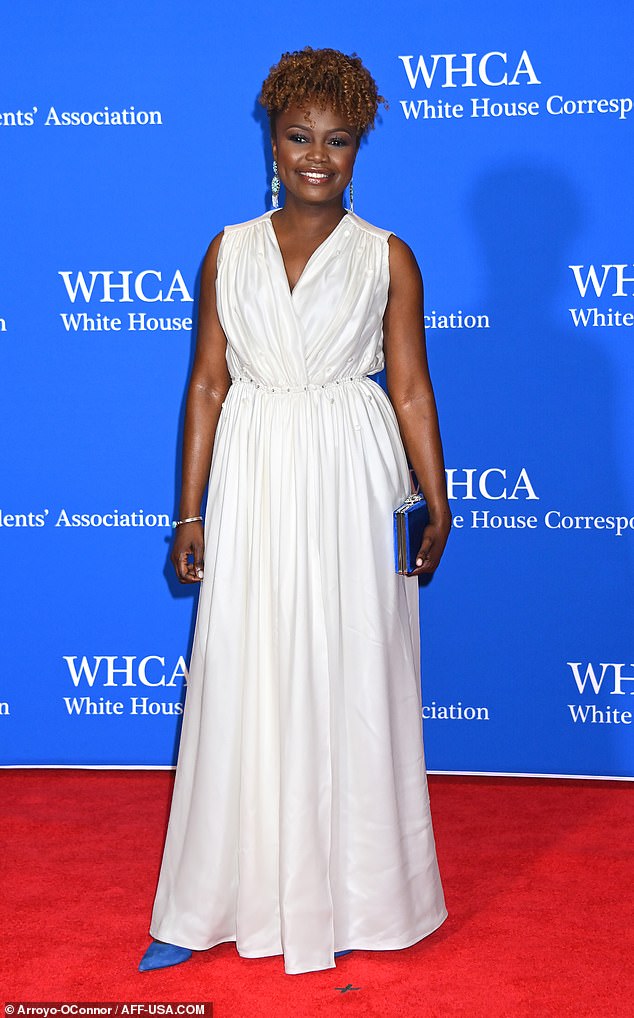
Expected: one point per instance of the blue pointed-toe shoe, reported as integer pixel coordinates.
(162, 956)
(339, 953)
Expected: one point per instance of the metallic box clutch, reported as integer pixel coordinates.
(410, 519)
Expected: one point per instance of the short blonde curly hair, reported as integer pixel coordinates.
(326, 77)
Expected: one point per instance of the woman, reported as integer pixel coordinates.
(300, 820)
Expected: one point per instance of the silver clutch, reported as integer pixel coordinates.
(410, 519)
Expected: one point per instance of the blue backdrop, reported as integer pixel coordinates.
(130, 135)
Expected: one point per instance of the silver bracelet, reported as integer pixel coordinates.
(190, 519)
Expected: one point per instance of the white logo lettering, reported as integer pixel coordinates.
(126, 285)
(596, 682)
(592, 278)
(485, 488)
(132, 673)
(523, 70)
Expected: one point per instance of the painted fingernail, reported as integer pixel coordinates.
(419, 561)
(199, 573)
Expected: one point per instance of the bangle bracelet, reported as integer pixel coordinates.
(190, 519)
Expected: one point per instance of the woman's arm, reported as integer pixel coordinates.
(412, 396)
(208, 386)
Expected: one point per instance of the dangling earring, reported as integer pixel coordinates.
(351, 188)
(275, 186)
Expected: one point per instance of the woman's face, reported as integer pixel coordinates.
(315, 151)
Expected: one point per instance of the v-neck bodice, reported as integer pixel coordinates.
(291, 289)
(328, 327)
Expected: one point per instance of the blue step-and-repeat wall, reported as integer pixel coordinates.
(130, 135)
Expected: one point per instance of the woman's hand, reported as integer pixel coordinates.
(433, 544)
(189, 541)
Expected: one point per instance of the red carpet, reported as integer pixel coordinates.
(538, 879)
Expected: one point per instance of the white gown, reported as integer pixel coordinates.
(300, 821)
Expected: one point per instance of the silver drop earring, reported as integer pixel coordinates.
(275, 186)
(351, 188)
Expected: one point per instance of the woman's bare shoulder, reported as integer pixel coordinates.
(403, 263)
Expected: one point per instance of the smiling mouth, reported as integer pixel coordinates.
(314, 176)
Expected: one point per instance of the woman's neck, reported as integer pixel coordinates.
(310, 220)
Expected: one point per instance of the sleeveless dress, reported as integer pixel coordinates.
(300, 821)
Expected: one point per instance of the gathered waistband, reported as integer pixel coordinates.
(298, 388)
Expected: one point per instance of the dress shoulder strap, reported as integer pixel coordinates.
(232, 233)
(375, 231)
(236, 227)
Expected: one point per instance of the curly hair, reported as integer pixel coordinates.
(326, 77)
